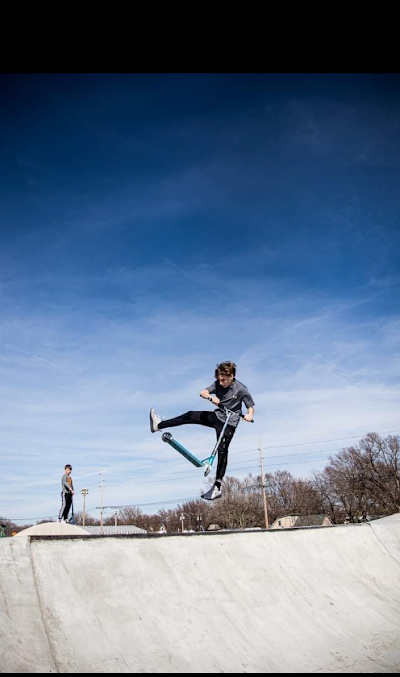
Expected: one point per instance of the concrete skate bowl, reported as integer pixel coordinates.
(305, 600)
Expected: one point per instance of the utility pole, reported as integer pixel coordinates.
(263, 487)
(182, 518)
(116, 520)
(84, 493)
(102, 500)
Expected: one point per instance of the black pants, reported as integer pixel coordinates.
(210, 420)
(66, 502)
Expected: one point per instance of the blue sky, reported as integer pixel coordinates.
(154, 225)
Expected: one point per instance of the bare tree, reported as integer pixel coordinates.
(197, 515)
(290, 495)
(327, 498)
(347, 480)
(10, 527)
(170, 519)
(89, 521)
(381, 460)
(129, 515)
(362, 479)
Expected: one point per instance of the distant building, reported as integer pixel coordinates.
(214, 527)
(294, 521)
(119, 530)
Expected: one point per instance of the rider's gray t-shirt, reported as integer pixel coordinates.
(232, 398)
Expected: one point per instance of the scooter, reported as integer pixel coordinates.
(206, 463)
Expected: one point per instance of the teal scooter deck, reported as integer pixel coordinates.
(167, 437)
(206, 462)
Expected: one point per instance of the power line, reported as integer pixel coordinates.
(232, 453)
(294, 462)
(134, 482)
(337, 439)
(141, 505)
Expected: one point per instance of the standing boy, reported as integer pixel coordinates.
(67, 491)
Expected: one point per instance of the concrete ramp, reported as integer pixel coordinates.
(307, 600)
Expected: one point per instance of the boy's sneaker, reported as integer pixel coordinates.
(154, 421)
(212, 494)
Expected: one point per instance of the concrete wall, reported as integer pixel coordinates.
(312, 600)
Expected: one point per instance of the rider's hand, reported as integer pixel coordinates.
(248, 418)
(216, 400)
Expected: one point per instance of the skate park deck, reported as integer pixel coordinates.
(296, 600)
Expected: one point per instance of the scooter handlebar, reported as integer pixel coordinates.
(229, 411)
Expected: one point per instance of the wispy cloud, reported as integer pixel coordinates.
(80, 391)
